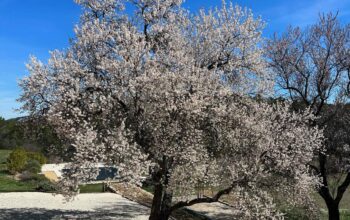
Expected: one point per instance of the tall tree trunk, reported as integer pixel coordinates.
(333, 210)
(161, 203)
(332, 203)
(162, 199)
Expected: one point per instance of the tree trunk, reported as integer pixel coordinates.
(161, 203)
(332, 203)
(333, 210)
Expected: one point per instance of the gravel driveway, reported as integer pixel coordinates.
(37, 206)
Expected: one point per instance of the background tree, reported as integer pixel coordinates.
(166, 91)
(11, 134)
(32, 135)
(312, 68)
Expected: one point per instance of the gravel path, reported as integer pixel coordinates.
(42, 206)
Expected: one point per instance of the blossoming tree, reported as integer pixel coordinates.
(312, 69)
(164, 92)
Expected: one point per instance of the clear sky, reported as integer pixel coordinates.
(34, 27)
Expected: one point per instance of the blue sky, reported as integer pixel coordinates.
(34, 27)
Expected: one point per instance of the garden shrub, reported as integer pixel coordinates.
(17, 160)
(46, 186)
(38, 157)
(20, 160)
(33, 166)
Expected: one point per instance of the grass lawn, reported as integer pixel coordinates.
(91, 188)
(8, 184)
(344, 214)
(148, 188)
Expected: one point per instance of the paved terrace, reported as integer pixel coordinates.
(42, 206)
(111, 206)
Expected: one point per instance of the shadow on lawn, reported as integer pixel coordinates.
(120, 212)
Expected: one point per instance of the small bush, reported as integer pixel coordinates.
(39, 178)
(26, 176)
(33, 177)
(17, 160)
(20, 160)
(46, 186)
(33, 166)
(38, 157)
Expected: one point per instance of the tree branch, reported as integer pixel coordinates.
(342, 188)
(215, 198)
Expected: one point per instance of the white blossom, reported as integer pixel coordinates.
(166, 91)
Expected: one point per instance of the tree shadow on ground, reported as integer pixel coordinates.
(120, 212)
(223, 212)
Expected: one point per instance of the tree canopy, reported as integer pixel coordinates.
(167, 92)
(312, 69)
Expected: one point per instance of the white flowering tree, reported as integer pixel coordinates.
(163, 91)
(312, 69)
